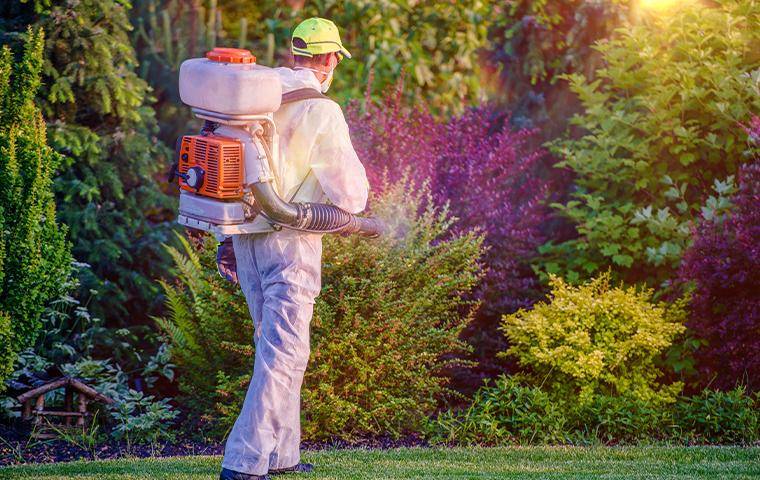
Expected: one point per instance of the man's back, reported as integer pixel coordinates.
(316, 160)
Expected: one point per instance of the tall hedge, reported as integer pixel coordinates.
(34, 254)
(100, 119)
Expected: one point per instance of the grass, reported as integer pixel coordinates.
(440, 463)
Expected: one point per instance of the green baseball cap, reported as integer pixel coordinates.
(320, 36)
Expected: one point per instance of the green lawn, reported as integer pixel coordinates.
(459, 463)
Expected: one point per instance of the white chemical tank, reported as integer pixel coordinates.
(229, 81)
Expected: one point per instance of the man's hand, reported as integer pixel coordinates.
(226, 263)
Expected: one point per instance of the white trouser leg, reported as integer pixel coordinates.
(280, 276)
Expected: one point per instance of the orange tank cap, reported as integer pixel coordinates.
(231, 55)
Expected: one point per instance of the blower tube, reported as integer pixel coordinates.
(310, 217)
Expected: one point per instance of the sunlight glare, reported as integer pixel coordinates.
(659, 4)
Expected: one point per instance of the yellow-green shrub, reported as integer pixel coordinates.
(596, 339)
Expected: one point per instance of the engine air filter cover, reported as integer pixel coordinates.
(221, 161)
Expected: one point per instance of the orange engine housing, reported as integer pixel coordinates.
(221, 159)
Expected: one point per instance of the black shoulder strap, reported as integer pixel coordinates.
(302, 94)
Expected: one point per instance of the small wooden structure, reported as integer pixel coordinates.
(33, 402)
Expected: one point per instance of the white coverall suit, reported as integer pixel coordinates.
(280, 275)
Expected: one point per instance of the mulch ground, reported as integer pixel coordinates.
(17, 448)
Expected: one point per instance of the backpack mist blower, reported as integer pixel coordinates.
(225, 172)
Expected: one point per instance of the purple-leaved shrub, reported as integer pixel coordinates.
(489, 175)
(724, 264)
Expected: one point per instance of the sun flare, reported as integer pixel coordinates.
(659, 4)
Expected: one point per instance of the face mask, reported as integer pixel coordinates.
(326, 82)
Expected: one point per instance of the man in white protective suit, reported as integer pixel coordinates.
(279, 271)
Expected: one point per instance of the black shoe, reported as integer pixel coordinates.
(231, 475)
(297, 468)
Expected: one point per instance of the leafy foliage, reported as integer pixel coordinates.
(100, 120)
(77, 344)
(510, 412)
(724, 266)
(436, 44)
(720, 417)
(205, 312)
(533, 42)
(660, 133)
(485, 172)
(595, 339)
(492, 179)
(386, 324)
(142, 419)
(34, 253)
(505, 412)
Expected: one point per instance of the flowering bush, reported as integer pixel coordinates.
(724, 264)
(596, 339)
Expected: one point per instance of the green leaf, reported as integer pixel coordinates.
(687, 159)
(623, 260)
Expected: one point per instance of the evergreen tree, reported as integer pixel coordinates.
(101, 122)
(35, 257)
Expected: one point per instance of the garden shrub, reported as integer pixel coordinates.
(614, 419)
(76, 344)
(485, 172)
(7, 349)
(141, 418)
(34, 253)
(510, 412)
(492, 179)
(719, 417)
(502, 413)
(386, 323)
(100, 120)
(723, 265)
(134, 417)
(659, 129)
(596, 339)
